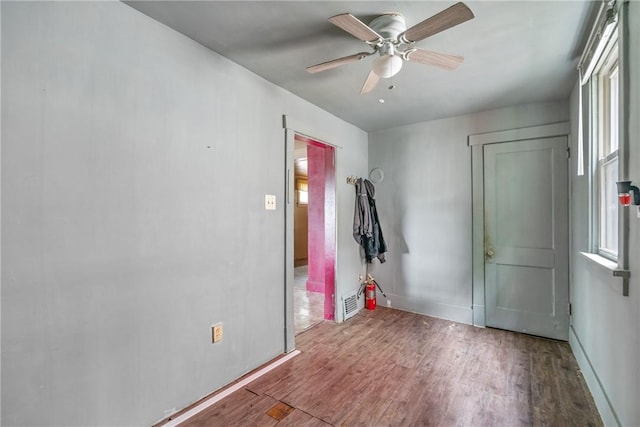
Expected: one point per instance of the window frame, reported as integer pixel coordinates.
(302, 191)
(604, 126)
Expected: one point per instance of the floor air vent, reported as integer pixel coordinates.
(350, 305)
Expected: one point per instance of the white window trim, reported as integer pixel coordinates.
(608, 59)
(620, 268)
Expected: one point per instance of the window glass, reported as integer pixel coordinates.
(302, 188)
(613, 108)
(609, 208)
(605, 140)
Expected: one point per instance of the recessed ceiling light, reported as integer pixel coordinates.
(381, 101)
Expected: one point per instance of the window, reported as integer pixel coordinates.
(302, 190)
(604, 74)
(604, 145)
(301, 166)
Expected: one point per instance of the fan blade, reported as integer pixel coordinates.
(428, 57)
(337, 62)
(450, 17)
(355, 27)
(370, 83)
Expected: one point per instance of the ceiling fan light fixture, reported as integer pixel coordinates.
(387, 66)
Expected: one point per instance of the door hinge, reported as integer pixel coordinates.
(568, 152)
(570, 312)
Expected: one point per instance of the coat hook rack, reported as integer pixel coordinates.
(352, 180)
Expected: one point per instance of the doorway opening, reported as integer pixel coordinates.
(314, 232)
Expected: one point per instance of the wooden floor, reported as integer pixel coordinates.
(392, 368)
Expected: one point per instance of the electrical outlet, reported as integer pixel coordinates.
(270, 202)
(216, 333)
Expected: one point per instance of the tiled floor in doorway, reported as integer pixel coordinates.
(308, 306)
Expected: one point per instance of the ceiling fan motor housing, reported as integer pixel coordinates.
(389, 25)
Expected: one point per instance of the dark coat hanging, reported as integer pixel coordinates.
(366, 225)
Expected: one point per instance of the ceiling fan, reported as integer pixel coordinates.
(388, 36)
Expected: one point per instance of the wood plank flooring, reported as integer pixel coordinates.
(392, 368)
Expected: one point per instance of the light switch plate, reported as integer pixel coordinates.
(270, 202)
(216, 333)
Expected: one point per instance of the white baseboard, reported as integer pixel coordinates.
(607, 413)
(478, 316)
(219, 396)
(442, 311)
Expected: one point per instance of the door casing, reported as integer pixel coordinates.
(476, 143)
(289, 323)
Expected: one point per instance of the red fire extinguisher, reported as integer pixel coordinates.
(370, 296)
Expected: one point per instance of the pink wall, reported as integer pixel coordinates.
(322, 220)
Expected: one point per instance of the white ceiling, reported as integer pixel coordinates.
(515, 52)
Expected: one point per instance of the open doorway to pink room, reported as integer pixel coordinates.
(314, 232)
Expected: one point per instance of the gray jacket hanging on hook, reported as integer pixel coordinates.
(366, 225)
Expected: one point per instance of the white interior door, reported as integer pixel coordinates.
(526, 236)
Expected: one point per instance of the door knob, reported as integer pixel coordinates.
(489, 254)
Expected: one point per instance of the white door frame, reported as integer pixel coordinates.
(292, 127)
(289, 323)
(476, 142)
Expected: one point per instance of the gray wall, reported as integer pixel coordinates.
(134, 168)
(129, 225)
(425, 206)
(606, 325)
